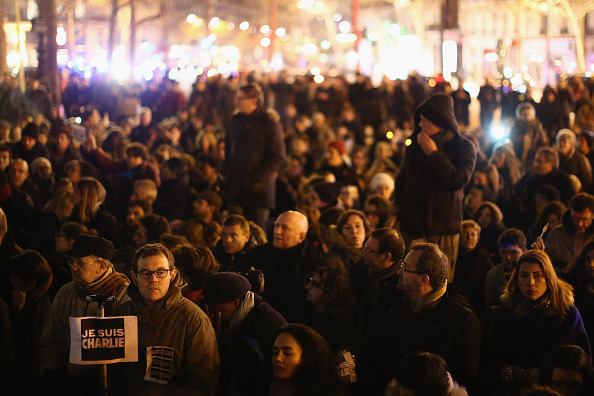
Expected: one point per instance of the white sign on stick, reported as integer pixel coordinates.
(103, 340)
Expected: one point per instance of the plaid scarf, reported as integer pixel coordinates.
(107, 285)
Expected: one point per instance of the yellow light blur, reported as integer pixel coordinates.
(408, 142)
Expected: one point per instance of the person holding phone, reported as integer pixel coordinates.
(563, 243)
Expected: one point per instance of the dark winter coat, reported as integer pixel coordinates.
(577, 164)
(255, 150)
(377, 320)
(447, 328)
(285, 273)
(429, 189)
(563, 243)
(244, 355)
(526, 340)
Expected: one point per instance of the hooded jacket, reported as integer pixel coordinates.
(429, 189)
(176, 322)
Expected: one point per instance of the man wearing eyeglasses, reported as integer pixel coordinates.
(169, 324)
(92, 273)
(433, 318)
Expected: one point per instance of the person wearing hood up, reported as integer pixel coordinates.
(438, 163)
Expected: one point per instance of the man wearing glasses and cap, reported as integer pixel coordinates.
(92, 273)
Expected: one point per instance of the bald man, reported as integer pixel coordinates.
(286, 263)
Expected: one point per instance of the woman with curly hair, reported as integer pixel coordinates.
(302, 363)
(537, 314)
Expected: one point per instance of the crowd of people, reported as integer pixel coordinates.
(278, 236)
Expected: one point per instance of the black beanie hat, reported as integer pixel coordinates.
(328, 192)
(224, 287)
(433, 116)
(30, 130)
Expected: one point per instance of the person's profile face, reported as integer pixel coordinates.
(140, 238)
(428, 127)
(4, 160)
(86, 269)
(286, 232)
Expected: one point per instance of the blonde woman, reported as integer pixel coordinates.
(90, 211)
(537, 314)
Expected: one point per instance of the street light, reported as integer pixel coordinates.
(192, 18)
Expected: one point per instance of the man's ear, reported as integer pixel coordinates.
(302, 236)
(173, 273)
(133, 277)
(425, 280)
(103, 265)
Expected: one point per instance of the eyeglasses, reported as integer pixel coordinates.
(315, 284)
(245, 97)
(146, 274)
(366, 249)
(409, 271)
(78, 263)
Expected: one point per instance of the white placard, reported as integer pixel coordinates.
(103, 340)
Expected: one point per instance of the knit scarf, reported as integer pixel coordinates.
(107, 285)
(240, 313)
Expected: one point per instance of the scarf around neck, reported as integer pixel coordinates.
(107, 285)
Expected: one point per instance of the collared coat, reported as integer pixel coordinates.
(254, 152)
